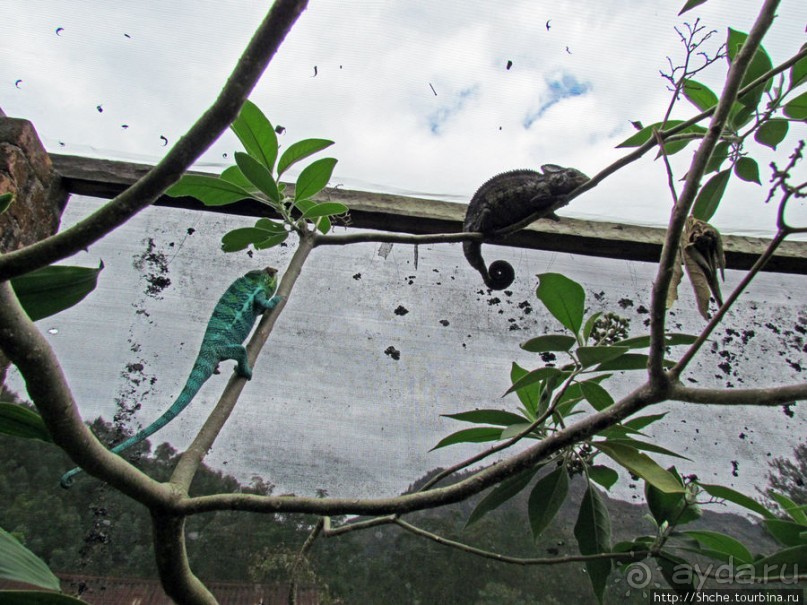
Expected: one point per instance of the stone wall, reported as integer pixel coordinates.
(39, 198)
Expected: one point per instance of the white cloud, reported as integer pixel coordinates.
(567, 98)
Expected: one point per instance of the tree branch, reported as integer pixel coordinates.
(178, 581)
(189, 462)
(638, 399)
(772, 396)
(202, 134)
(26, 348)
(669, 251)
(395, 238)
(625, 556)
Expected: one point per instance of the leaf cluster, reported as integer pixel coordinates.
(256, 176)
(550, 395)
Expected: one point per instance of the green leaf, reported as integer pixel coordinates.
(529, 395)
(323, 225)
(790, 508)
(785, 532)
(726, 493)
(210, 190)
(234, 175)
(671, 508)
(270, 226)
(638, 423)
(5, 201)
(785, 561)
(47, 291)
(550, 342)
(679, 574)
(299, 151)
(628, 361)
(563, 298)
(325, 209)
(719, 155)
(710, 195)
(670, 147)
(265, 234)
(715, 541)
(798, 73)
(258, 175)
(640, 465)
(18, 421)
(670, 340)
(546, 499)
(597, 396)
(515, 429)
(37, 597)
(256, 134)
(603, 475)
(313, 178)
(271, 241)
(642, 445)
(477, 435)
(533, 377)
(645, 134)
(760, 64)
(699, 95)
(748, 170)
(495, 417)
(588, 327)
(503, 492)
(239, 239)
(19, 564)
(593, 533)
(772, 132)
(740, 115)
(591, 356)
(690, 5)
(797, 108)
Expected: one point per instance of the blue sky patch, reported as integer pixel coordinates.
(441, 115)
(559, 88)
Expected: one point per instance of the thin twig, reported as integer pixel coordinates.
(629, 556)
(301, 557)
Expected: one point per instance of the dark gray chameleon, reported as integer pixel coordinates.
(230, 324)
(509, 198)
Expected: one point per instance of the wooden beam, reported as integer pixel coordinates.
(380, 211)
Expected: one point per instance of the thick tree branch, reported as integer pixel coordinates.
(26, 348)
(176, 576)
(457, 492)
(263, 46)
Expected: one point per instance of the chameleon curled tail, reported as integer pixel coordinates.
(230, 324)
(509, 198)
(498, 276)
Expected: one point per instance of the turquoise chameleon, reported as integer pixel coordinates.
(232, 320)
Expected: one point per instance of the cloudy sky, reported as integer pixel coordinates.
(416, 94)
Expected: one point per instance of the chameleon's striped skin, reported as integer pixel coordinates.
(232, 320)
